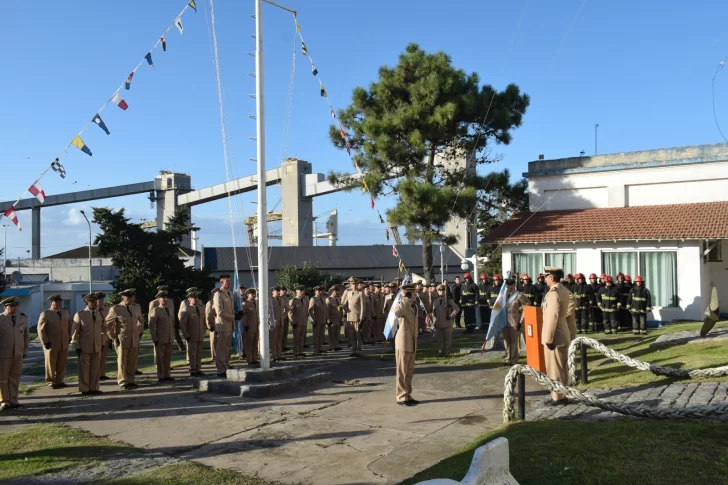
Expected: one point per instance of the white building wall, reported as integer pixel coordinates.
(693, 276)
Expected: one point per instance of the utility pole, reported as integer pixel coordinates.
(596, 127)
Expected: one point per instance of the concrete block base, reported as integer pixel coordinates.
(261, 389)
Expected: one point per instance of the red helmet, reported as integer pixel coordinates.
(466, 275)
(484, 276)
(639, 279)
(627, 278)
(580, 276)
(569, 276)
(610, 279)
(620, 274)
(540, 275)
(593, 276)
(525, 276)
(498, 277)
(603, 276)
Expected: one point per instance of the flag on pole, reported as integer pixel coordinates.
(192, 4)
(97, 119)
(78, 143)
(58, 168)
(498, 319)
(392, 323)
(119, 101)
(178, 24)
(148, 57)
(37, 191)
(164, 43)
(303, 49)
(127, 83)
(314, 71)
(10, 214)
(394, 248)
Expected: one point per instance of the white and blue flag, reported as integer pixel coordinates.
(392, 324)
(498, 316)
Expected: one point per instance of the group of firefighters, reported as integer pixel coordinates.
(601, 303)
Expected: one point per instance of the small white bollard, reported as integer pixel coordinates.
(490, 466)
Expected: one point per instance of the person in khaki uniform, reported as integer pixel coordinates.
(140, 317)
(274, 333)
(515, 301)
(406, 345)
(192, 324)
(355, 308)
(377, 312)
(54, 330)
(284, 302)
(333, 318)
(125, 326)
(88, 327)
(105, 340)
(556, 334)
(222, 302)
(161, 328)
(210, 321)
(444, 310)
(317, 312)
(14, 343)
(366, 324)
(298, 316)
(251, 326)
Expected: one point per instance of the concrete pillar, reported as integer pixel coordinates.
(167, 186)
(297, 210)
(35, 232)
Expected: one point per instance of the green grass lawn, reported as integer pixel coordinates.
(51, 448)
(605, 453)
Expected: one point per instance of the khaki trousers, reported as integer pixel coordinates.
(444, 340)
(106, 343)
(366, 331)
(88, 371)
(275, 342)
(10, 372)
(355, 338)
(299, 339)
(405, 370)
(126, 361)
(556, 367)
(250, 344)
(512, 341)
(223, 348)
(319, 332)
(283, 334)
(334, 331)
(163, 360)
(194, 355)
(212, 344)
(55, 365)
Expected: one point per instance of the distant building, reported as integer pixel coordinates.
(661, 214)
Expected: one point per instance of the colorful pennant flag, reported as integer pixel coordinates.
(97, 119)
(372, 202)
(298, 27)
(381, 221)
(304, 51)
(119, 101)
(192, 4)
(58, 168)
(314, 71)
(333, 115)
(127, 83)
(323, 91)
(78, 143)
(348, 148)
(10, 214)
(401, 266)
(37, 191)
(178, 24)
(164, 43)
(394, 250)
(148, 57)
(343, 134)
(387, 234)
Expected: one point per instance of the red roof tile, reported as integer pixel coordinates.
(679, 221)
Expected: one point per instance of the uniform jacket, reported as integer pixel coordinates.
(493, 291)
(387, 306)
(406, 338)
(333, 310)
(639, 300)
(298, 312)
(442, 310)
(125, 323)
(170, 305)
(583, 295)
(285, 305)
(368, 306)
(55, 328)
(378, 302)
(250, 316)
(355, 306)
(483, 293)
(224, 311)
(609, 299)
(542, 288)
(457, 293)
(531, 292)
(210, 316)
(555, 311)
(192, 322)
(104, 312)
(14, 339)
(469, 294)
(278, 312)
(317, 310)
(161, 325)
(87, 330)
(624, 289)
(140, 315)
(593, 291)
(514, 310)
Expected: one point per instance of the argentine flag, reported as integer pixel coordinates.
(498, 319)
(392, 324)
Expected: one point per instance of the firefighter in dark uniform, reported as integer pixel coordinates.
(595, 313)
(529, 290)
(623, 315)
(608, 300)
(457, 293)
(570, 281)
(541, 287)
(469, 300)
(583, 295)
(483, 306)
(639, 303)
(494, 289)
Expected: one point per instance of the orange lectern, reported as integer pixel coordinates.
(533, 317)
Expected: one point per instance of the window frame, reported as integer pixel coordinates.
(639, 266)
(543, 256)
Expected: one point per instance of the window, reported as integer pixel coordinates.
(531, 263)
(565, 261)
(659, 269)
(613, 263)
(712, 252)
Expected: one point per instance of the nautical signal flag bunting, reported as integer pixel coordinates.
(10, 214)
(97, 119)
(119, 101)
(78, 143)
(37, 190)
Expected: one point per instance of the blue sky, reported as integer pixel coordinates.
(642, 70)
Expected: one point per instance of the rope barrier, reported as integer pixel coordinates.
(630, 362)
(627, 409)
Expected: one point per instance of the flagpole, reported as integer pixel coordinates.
(262, 219)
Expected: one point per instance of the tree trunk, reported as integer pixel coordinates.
(427, 259)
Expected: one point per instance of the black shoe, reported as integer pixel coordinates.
(16, 406)
(413, 402)
(353, 354)
(96, 392)
(104, 378)
(132, 385)
(222, 375)
(56, 386)
(169, 379)
(138, 373)
(88, 393)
